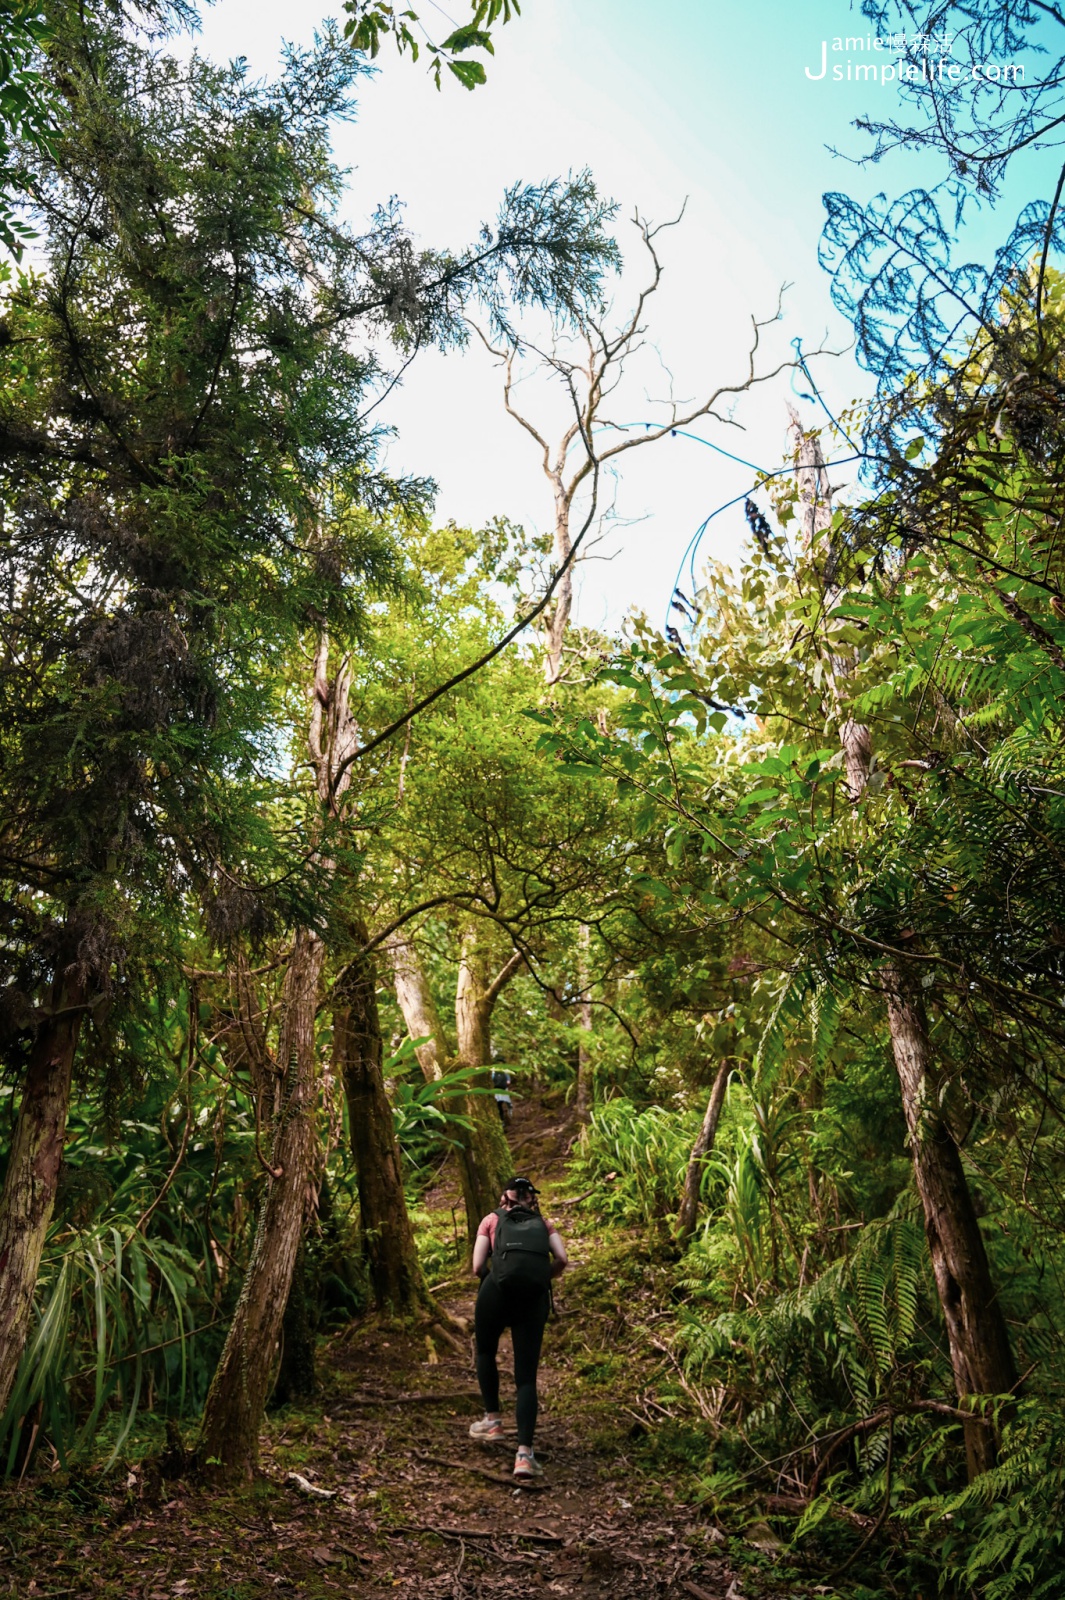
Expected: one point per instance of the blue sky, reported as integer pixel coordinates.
(666, 101)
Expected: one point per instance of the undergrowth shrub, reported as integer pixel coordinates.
(440, 1237)
(425, 1115)
(860, 1324)
(1003, 1536)
(858, 1345)
(113, 1334)
(636, 1160)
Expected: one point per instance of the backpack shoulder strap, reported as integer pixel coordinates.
(500, 1216)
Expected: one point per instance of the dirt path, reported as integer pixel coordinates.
(454, 1521)
(395, 1497)
(432, 1512)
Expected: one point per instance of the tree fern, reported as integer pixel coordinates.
(826, 1015)
(786, 1014)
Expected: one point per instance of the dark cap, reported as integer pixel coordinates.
(521, 1183)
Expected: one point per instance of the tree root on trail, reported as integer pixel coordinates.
(357, 1555)
(531, 1138)
(296, 1480)
(454, 1331)
(480, 1472)
(479, 1533)
(556, 1205)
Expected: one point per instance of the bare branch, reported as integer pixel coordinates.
(503, 977)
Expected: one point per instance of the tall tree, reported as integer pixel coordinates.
(140, 639)
(175, 387)
(229, 1435)
(388, 1238)
(870, 828)
(589, 359)
(976, 1328)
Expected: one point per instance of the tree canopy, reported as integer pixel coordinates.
(344, 874)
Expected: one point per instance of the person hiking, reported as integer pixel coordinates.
(505, 1105)
(516, 1254)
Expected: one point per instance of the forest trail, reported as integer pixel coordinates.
(414, 1505)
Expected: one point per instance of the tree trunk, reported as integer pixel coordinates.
(229, 1435)
(33, 1170)
(562, 604)
(296, 1379)
(395, 1273)
(815, 515)
(584, 1022)
(704, 1144)
(418, 1007)
(976, 1329)
(486, 1155)
(811, 476)
(857, 742)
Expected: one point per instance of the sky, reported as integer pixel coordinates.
(713, 106)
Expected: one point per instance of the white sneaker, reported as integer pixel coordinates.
(487, 1428)
(526, 1464)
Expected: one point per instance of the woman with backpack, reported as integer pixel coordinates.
(516, 1254)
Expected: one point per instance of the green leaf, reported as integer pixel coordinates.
(469, 73)
(467, 38)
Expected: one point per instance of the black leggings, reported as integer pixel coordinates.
(526, 1317)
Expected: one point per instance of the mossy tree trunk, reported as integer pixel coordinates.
(229, 1434)
(395, 1274)
(484, 1155)
(487, 1163)
(33, 1169)
(296, 1377)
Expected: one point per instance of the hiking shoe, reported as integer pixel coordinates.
(487, 1428)
(526, 1465)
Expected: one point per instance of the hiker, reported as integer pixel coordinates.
(516, 1254)
(504, 1104)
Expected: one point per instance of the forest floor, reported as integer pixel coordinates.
(396, 1499)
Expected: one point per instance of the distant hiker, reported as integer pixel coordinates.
(516, 1254)
(501, 1085)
